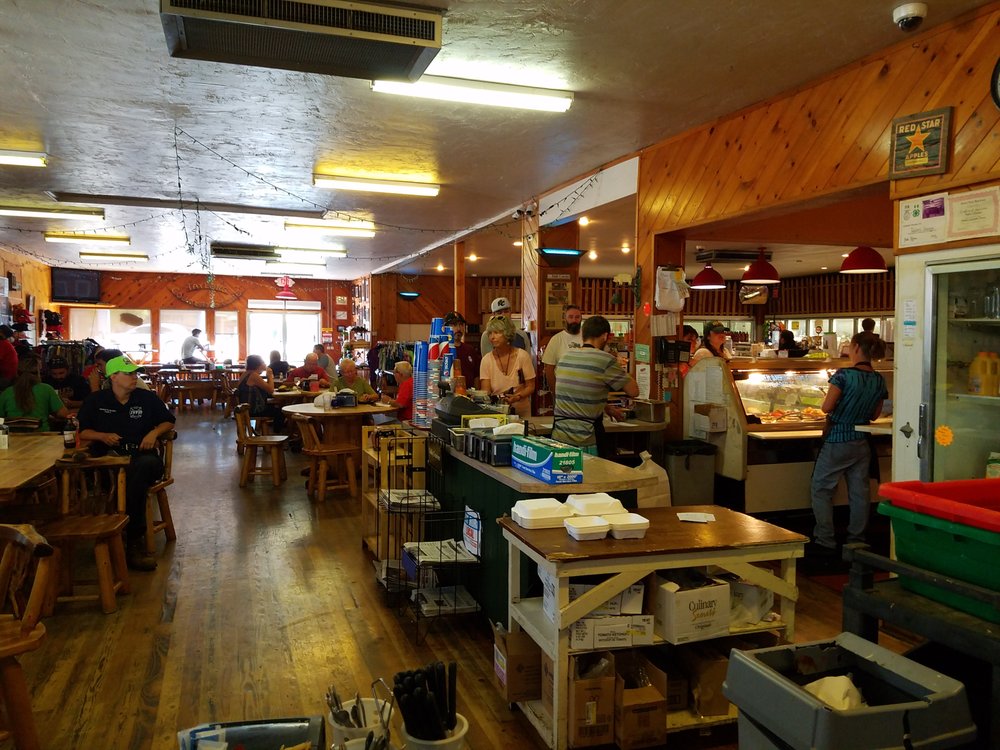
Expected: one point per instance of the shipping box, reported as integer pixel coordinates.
(547, 460)
(591, 699)
(548, 683)
(628, 602)
(689, 606)
(709, 418)
(619, 631)
(640, 709)
(705, 667)
(517, 662)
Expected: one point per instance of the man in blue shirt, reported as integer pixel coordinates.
(128, 421)
(855, 397)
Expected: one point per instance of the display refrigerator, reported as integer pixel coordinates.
(764, 417)
(947, 339)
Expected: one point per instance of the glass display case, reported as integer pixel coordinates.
(764, 416)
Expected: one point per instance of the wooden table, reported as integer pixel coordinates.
(28, 457)
(340, 424)
(734, 542)
(294, 396)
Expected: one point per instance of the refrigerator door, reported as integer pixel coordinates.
(959, 423)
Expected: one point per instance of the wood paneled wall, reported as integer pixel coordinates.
(34, 279)
(164, 291)
(389, 309)
(831, 294)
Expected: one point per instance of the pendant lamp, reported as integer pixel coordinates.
(708, 278)
(863, 259)
(761, 272)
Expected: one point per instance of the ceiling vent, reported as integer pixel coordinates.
(244, 252)
(332, 37)
(718, 257)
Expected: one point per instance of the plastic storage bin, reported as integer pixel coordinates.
(690, 466)
(909, 705)
(973, 502)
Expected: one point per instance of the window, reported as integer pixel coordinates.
(227, 336)
(128, 330)
(175, 326)
(292, 327)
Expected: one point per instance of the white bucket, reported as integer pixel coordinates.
(454, 741)
(340, 733)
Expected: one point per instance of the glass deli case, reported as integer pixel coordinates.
(764, 418)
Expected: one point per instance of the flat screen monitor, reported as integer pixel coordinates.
(75, 285)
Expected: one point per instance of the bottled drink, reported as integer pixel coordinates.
(69, 432)
(4, 435)
(979, 373)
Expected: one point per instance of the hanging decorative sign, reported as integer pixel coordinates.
(920, 144)
(216, 295)
(286, 285)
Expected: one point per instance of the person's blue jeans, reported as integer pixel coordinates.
(835, 460)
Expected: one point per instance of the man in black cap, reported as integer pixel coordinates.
(8, 357)
(72, 388)
(466, 356)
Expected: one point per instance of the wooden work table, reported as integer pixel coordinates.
(27, 458)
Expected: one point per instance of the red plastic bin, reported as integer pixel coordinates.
(973, 502)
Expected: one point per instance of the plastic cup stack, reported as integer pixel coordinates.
(420, 351)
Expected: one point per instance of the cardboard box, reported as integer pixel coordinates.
(640, 712)
(709, 418)
(547, 460)
(749, 603)
(628, 602)
(690, 607)
(591, 701)
(620, 631)
(705, 667)
(517, 663)
(673, 683)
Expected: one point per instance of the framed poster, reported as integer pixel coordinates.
(558, 294)
(341, 314)
(920, 144)
(341, 300)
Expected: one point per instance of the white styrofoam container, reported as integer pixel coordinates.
(595, 504)
(540, 513)
(587, 528)
(627, 525)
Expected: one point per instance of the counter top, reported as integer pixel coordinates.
(544, 424)
(881, 426)
(599, 475)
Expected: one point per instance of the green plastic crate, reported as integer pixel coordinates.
(953, 549)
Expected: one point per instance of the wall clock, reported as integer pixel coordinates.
(995, 84)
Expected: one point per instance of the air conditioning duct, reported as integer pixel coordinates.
(244, 252)
(719, 257)
(332, 37)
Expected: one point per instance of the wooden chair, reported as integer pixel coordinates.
(252, 442)
(92, 512)
(25, 569)
(158, 517)
(321, 456)
(227, 394)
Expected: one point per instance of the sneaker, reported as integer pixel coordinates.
(136, 558)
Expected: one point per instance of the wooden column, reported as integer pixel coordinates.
(530, 306)
(458, 264)
(384, 302)
(566, 235)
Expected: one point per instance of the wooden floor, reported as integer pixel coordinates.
(263, 601)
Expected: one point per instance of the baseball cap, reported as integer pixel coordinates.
(715, 326)
(453, 317)
(500, 303)
(119, 364)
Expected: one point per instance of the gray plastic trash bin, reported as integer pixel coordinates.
(908, 705)
(690, 465)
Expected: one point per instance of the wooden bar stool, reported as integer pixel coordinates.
(252, 442)
(321, 457)
(25, 569)
(93, 512)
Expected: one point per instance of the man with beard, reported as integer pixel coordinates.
(562, 342)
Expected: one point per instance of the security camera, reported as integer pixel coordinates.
(909, 16)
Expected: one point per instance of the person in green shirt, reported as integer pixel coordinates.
(349, 379)
(30, 397)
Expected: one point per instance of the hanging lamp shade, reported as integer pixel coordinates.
(708, 278)
(863, 259)
(761, 272)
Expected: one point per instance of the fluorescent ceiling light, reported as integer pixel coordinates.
(396, 187)
(561, 251)
(409, 295)
(88, 239)
(310, 253)
(479, 92)
(23, 158)
(335, 227)
(132, 257)
(82, 214)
